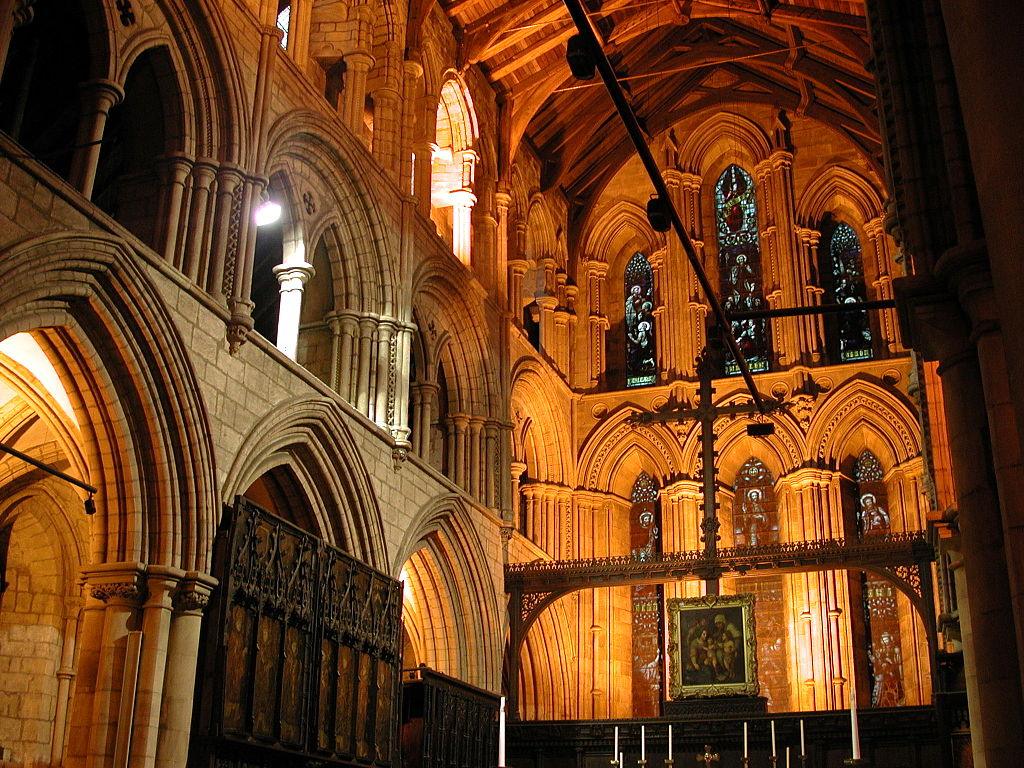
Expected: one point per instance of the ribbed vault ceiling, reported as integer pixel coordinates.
(675, 57)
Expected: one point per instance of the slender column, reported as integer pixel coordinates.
(362, 382)
(411, 87)
(811, 327)
(292, 279)
(348, 330)
(65, 676)
(191, 598)
(387, 110)
(460, 454)
(475, 475)
(485, 229)
(694, 310)
(98, 98)
(156, 622)
(119, 587)
(229, 179)
(560, 351)
(429, 397)
(516, 469)
(878, 242)
(463, 201)
(547, 306)
(416, 400)
(196, 253)
(240, 303)
(174, 170)
(357, 66)
(298, 33)
(502, 202)
(89, 641)
(400, 424)
(385, 332)
(490, 473)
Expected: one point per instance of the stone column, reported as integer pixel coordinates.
(878, 249)
(811, 327)
(358, 64)
(387, 110)
(597, 321)
(174, 171)
(292, 279)
(517, 269)
(119, 586)
(560, 352)
(298, 33)
(347, 324)
(463, 201)
(693, 307)
(460, 458)
(196, 252)
(156, 620)
(98, 98)
(547, 306)
(191, 597)
(475, 474)
(229, 178)
(516, 469)
(429, 391)
(385, 336)
(502, 203)
(411, 86)
(361, 386)
(65, 676)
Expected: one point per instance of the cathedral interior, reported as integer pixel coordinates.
(374, 393)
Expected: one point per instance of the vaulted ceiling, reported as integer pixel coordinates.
(673, 57)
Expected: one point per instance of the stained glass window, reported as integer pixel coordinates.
(755, 522)
(846, 277)
(641, 351)
(881, 639)
(647, 599)
(739, 264)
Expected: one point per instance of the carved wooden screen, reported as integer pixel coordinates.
(447, 723)
(300, 651)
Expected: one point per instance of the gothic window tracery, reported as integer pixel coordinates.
(647, 599)
(845, 270)
(639, 322)
(739, 264)
(755, 522)
(882, 642)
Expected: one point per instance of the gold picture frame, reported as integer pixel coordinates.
(712, 646)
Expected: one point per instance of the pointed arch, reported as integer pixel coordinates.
(623, 226)
(838, 189)
(312, 438)
(145, 430)
(612, 443)
(533, 399)
(724, 133)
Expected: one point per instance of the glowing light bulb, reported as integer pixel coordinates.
(267, 213)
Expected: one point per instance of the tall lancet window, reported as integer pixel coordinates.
(755, 523)
(641, 352)
(845, 272)
(883, 650)
(739, 264)
(645, 543)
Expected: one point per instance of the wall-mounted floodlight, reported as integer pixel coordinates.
(580, 58)
(267, 212)
(760, 429)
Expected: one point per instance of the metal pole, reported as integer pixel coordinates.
(4, 448)
(582, 21)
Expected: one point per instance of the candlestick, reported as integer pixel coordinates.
(501, 734)
(670, 744)
(643, 744)
(854, 727)
(774, 754)
(745, 754)
(803, 747)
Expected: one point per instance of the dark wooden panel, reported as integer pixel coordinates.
(300, 652)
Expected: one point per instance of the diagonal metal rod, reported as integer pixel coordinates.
(4, 448)
(589, 35)
(821, 309)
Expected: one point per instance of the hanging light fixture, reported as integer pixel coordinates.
(580, 58)
(268, 212)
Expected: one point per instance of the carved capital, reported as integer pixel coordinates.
(193, 593)
(131, 591)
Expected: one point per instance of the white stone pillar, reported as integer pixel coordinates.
(362, 382)
(463, 201)
(353, 98)
(292, 279)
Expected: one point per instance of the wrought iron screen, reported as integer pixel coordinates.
(300, 651)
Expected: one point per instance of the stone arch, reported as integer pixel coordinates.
(314, 149)
(612, 442)
(456, 610)
(617, 229)
(311, 436)
(836, 188)
(547, 682)
(864, 411)
(145, 433)
(724, 133)
(532, 412)
(187, 121)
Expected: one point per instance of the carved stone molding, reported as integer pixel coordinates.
(124, 590)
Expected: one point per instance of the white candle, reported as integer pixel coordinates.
(745, 740)
(621, 761)
(803, 748)
(501, 734)
(787, 757)
(773, 738)
(615, 750)
(643, 744)
(854, 728)
(670, 742)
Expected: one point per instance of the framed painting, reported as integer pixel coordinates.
(712, 646)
